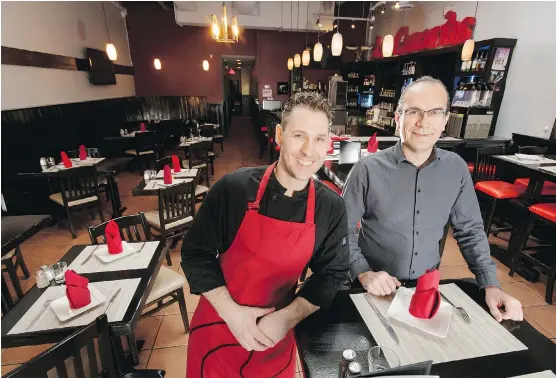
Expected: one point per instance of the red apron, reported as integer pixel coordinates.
(261, 269)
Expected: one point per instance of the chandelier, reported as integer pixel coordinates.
(219, 30)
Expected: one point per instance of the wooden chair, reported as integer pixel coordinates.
(544, 213)
(198, 158)
(168, 285)
(145, 147)
(72, 348)
(486, 184)
(94, 152)
(209, 131)
(176, 210)
(10, 262)
(79, 190)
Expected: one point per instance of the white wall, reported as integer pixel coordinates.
(528, 107)
(62, 28)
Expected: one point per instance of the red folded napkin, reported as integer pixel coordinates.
(113, 238)
(143, 127)
(176, 166)
(426, 300)
(264, 129)
(77, 292)
(167, 175)
(65, 159)
(373, 144)
(330, 147)
(82, 152)
(74, 279)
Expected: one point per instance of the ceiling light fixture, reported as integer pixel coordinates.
(220, 32)
(157, 64)
(110, 48)
(318, 50)
(306, 58)
(397, 6)
(337, 40)
(469, 45)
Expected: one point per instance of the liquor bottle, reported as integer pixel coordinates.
(474, 63)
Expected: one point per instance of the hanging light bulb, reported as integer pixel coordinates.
(290, 64)
(388, 46)
(371, 27)
(157, 64)
(317, 52)
(337, 42)
(382, 10)
(111, 51)
(205, 65)
(467, 50)
(306, 59)
(397, 6)
(297, 60)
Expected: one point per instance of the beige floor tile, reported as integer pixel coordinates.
(7, 368)
(545, 316)
(147, 329)
(540, 289)
(506, 271)
(172, 332)
(175, 257)
(537, 326)
(455, 272)
(520, 291)
(452, 256)
(22, 354)
(554, 340)
(143, 359)
(172, 360)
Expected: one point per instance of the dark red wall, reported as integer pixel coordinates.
(153, 33)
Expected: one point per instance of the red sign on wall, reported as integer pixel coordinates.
(452, 32)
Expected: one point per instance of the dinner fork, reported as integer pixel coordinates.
(136, 253)
(461, 310)
(44, 307)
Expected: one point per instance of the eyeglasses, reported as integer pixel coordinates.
(433, 114)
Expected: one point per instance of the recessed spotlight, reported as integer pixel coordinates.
(353, 25)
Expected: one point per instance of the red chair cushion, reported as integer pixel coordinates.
(548, 189)
(471, 166)
(545, 210)
(332, 186)
(271, 140)
(277, 148)
(264, 129)
(500, 189)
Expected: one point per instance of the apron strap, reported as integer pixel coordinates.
(311, 200)
(262, 188)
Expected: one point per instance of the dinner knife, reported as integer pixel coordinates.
(112, 299)
(90, 255)
(383, 320)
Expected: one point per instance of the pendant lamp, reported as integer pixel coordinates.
(467, 50)
(337, 40)
(306, 59)
(290, 64)
(388, 46)
(297, 60)
(110, 48)
(317, 52)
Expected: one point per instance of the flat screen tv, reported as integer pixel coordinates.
(101, 69)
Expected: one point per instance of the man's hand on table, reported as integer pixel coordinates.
(496, 299)
(379, 283)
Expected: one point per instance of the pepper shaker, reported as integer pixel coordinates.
(348, 356)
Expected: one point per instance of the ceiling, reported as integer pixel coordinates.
(232, 60)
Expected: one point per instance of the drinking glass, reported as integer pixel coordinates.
(59, 271)
(381, 358)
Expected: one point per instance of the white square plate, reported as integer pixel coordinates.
(102, 252)
(528, 157)
(437, 326)
(61, 306)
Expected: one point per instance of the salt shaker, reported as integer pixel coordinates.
(122, 132)
(42, 279)
(48, 272)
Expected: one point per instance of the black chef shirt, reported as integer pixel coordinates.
(220, 216)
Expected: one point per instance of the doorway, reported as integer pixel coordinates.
(238, 83)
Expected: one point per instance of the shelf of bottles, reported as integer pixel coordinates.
(387, 93)
(473, 94)
(477, 63)
(409, 68)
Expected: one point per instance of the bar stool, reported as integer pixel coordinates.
(11, 261)
(484, 177)
(545, 213)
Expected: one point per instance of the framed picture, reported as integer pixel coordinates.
(283, 87)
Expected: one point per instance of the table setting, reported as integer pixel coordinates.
(49, 165)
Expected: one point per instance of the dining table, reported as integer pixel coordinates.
(482, 348)
(33, 321)
(151, 186)
(106, 167)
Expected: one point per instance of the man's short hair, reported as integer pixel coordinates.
(311, 100)
(422, 79)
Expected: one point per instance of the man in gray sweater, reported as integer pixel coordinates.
(406, 194)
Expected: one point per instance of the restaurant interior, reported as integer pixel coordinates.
(133, 110)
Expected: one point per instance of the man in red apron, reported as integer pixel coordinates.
(255, 233)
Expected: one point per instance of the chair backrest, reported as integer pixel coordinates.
(533, 150)
(74, 348)
(77, 183)
(129, 229)
(145, 141)
(91, 152)
(485, 169)
(198, 153)
(161, 163)
(207, 130)
(176, 203)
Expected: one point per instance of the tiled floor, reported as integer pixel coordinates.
(166, 342)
